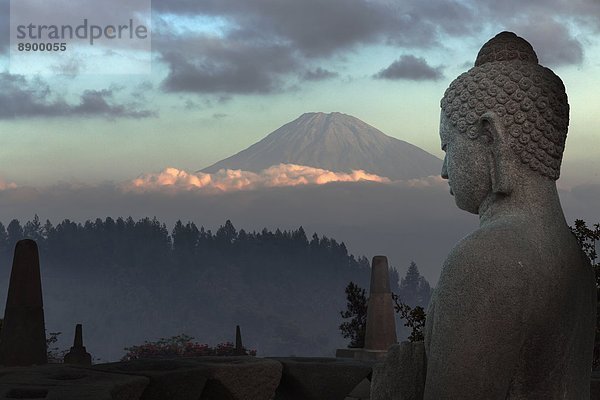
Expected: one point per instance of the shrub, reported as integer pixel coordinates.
(180, 346)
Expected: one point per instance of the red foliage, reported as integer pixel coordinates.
(180, 346)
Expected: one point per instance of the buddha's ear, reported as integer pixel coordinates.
(500, 162)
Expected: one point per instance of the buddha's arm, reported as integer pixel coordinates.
(476, 332)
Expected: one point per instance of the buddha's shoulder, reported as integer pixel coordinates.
(495, 248)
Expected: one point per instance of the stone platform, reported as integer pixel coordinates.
(197, 378)
(204, 378)
(361, 354)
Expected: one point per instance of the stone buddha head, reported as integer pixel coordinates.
(503, 120)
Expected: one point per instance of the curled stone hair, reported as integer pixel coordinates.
(529, 99)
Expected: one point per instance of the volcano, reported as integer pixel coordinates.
(335, 142)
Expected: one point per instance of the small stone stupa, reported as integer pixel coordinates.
(23, 335)
(78, 355)
(380, 333)
(239, 347)
(381, 325)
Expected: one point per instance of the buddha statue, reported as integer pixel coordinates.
(513, 314)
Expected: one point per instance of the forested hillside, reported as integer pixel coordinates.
(128, 281)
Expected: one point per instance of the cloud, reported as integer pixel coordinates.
(372, 218)
(4, 26)
(98, 102)
(140, 90)
(403, 220)
(269, 42)
(174, 180)
(546, 25)
(315, 28)
(429, 181)
(7, 185)
(411, 68)
(318, 74)
(209, 65)
(554, 44)
(23, 98)
(259, 44)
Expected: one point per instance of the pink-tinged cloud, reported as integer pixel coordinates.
(227, 180)
(428, 181)
(7, 185)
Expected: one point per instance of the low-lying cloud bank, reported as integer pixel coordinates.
(405, 220)
(228, 180)
(7, 185)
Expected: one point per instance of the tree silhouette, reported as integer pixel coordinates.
(14, 233)
(138, 271)
(588, 238)
(33, 229)
(414, 289)
(357, 312)
(414, 317)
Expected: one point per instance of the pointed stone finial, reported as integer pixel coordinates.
(239, 348)
(380, 275)
(381, 325)
(78, 342)
(78, 355)
(23, 335)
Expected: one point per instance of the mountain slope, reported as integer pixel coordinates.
(336, 142)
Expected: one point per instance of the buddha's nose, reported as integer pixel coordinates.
(445, 169)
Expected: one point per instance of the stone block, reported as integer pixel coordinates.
(401, 376)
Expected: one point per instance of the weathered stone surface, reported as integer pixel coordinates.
(513, 314)
(362, 391)
(23, 335)
(361, 354)
(78, 355)
(205, 378)
(179, 379)
(307, 378)
(59, 382)
(595, 386)
(346, 353)
(402, 374)
(380, 333)
(241, 378)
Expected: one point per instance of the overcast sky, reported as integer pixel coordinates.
(227, 72)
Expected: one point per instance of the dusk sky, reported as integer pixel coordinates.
(119, 129)
(227, 72)
(92, 136)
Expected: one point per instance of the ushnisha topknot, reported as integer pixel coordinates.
(506, 46)
(529, 100)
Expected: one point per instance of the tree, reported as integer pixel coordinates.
(33, 229)
(226, 234)
(356, 310)
(414, 317)
(54, 354)
(3, 240)
(588, 238)
(14, 232)
(143, 270)
(299, 237)
(414, 288)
